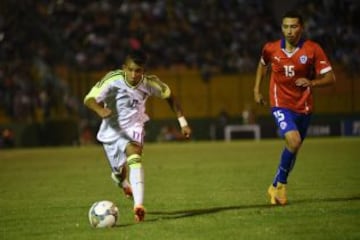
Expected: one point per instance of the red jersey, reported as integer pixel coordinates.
(308, 60)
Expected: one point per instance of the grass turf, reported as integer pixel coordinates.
(196, 190)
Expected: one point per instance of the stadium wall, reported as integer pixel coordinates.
(231, 93)
(337, 109)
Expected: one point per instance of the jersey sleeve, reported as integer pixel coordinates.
(101, 88)
(322, 64)
(157, 87)
(97, 92)
(265, 54)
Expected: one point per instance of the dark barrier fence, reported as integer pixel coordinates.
(67, 133)
(49, 133)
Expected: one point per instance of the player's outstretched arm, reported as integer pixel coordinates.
(260, 74)
(176, 107)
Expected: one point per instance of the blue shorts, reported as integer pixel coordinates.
(287, 120)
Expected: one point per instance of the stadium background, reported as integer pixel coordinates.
(52, 52)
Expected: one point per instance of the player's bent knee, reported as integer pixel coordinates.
(295, 144)
(134, 161)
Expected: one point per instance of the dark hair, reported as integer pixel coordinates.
(294, 14)
(138, 56)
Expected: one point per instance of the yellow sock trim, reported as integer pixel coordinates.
(134, 161)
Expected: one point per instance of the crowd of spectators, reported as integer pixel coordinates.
(223, 36)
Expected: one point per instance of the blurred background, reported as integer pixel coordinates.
(53, 51)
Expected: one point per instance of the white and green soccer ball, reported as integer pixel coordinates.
(103, 214)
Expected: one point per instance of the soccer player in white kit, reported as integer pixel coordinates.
(119, 99)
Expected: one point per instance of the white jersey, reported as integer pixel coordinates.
(126, 102)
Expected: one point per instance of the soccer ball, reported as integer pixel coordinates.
(103, 214)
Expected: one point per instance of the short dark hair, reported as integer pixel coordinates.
(294, 14)
(138, 56)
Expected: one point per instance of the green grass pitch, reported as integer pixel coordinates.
(195, 190)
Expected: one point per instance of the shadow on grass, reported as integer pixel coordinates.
(168, 215)
(338, 199)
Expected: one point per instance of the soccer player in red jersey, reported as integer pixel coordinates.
(297, 66)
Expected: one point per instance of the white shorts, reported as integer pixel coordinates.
(115, 151)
